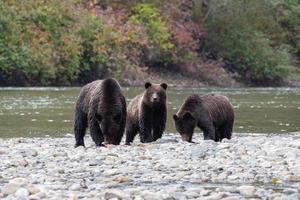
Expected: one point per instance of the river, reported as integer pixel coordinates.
(48, 111)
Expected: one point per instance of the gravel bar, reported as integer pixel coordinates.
(245, 167)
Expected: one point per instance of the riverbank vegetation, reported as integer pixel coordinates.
(73, 42)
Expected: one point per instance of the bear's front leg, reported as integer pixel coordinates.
(157, 133)
(159, 122)
(118, 137)
(95, 130)
(145, 131)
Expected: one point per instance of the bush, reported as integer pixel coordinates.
(157, 28)
(247, 34)
(38, 40)
(62, 42)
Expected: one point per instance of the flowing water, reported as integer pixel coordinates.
(31, 112)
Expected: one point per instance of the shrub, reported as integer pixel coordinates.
(38, 40)
(248, 34)
(157, 28)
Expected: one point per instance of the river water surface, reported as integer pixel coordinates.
(31, 112)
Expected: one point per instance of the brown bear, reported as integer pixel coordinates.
(212, 113)
(147, 114)
(101, 106)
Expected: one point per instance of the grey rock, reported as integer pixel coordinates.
(10, 188)
(247, 190)
(22, 192)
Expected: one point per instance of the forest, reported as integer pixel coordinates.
(72, 42)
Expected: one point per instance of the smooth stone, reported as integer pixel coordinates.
(147, 195)
(110, 172)
(23, 163)
(30, 152)
(290, 191)
(19, 181)
(247, 190)
(293, 178)
(205, 192)
(75, 187)
(22, 192)
(72, 197)
(95, 162)
(116, 194)
(122, 179)
(10, 188)
(231, 198)
(33, 190)
(215, 196)
(37, 196)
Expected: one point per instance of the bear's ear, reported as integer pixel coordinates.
(175, 117)
(188, 115)
(164, 85)
(147, 84)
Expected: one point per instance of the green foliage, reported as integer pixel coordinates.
(63, 42)
(253, 35)
(38, 40)
(57, 42)
(157, 28)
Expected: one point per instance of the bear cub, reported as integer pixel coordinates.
(147, 114)
(212, 113)
(101, 106)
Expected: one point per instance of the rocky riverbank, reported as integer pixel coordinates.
(257, 167)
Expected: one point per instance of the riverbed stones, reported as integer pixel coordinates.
(22, 193)
(247, 190)
(9, 189)
(165, 169)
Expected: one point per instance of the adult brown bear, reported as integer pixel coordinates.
(101, 106)
(212, 113)
(147, 114)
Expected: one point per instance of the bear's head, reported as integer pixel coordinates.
(185, 124)
(155, 94)
(110, 124)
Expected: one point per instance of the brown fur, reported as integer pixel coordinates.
(212, 113)
(101, 106)
(146, 114)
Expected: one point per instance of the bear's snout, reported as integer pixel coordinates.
(155, 98)
(185, 137)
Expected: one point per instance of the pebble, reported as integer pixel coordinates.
(245, 167)
(9, 189)
(75, 187)
(247, 190)
(19, 181)
(22, 192)
(116, 194)
(33, 190)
